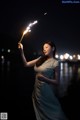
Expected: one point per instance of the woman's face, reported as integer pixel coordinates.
(47, 49)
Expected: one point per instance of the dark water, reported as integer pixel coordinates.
(17, 85)
(69, 73)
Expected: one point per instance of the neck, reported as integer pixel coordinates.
(50, 56)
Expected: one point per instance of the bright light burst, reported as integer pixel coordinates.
(29, 26)
(28, 29)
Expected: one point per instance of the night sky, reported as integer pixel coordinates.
(61, 24)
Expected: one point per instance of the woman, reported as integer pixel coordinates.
(45, 101)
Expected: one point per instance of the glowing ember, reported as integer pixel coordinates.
(28, 29)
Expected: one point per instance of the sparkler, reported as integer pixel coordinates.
(28, 29)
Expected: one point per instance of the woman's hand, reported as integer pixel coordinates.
(46, 79)
(20, 46)
(40, 76)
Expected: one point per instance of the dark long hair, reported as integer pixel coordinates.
(44, 58)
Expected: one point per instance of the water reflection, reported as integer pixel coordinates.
(79, 72)
(68, 71)
(5, 68)
(14, 78)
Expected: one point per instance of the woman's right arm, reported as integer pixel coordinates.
(26, 64)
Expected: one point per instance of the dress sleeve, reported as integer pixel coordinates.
(55, 63)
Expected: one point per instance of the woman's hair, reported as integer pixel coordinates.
(44, 58)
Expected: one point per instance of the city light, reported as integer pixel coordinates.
(61, 57)
(66, 56)
(78, 57)
(56, 56)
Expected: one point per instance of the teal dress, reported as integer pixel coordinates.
(45, 102)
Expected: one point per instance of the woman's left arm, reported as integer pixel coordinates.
(48, 80)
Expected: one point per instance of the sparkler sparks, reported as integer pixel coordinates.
(28, 29)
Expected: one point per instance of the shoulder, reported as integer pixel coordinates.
(55, 62)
